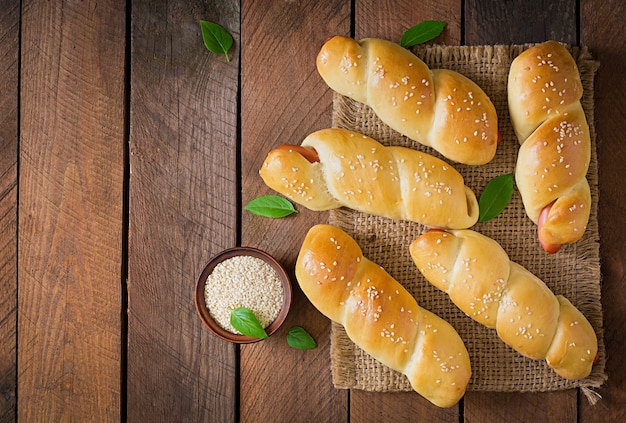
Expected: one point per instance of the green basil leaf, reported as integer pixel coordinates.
(422, 32)
(216, 38)
(495, 197)
(300, 339)
(271, 206)
(244, 320)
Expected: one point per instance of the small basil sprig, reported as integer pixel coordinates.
(495, 197)
(422, 32)
(270, 206)
(299, 338)
(216, 38)
(244, 320)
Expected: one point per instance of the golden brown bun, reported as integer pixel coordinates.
(544, 92)
(358, 172)
(438, 108)
(481, 280)
(381, 317)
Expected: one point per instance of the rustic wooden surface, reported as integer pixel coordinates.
(127, 153)
(70, 189)
(182, 208)
(9, 89)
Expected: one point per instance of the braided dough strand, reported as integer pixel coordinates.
(544, 92)
(438, 108)
(358, 172)
(381, 316)
(481, 280)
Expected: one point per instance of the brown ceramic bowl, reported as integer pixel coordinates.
(203, 312)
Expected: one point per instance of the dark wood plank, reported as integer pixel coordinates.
(514, 22)
(513, 407)
(183, 197)
(602, 30)
(496, 22)
(283, 99)
(397, 407)
(389, 20)
(9, 53)
(485, 407)
(70, 202)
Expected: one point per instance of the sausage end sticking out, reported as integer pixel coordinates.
(307, 152)
(548, 248)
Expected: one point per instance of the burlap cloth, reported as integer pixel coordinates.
(573, 272)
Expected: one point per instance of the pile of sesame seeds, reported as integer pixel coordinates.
(243, 281)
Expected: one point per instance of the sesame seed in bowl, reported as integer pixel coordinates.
(242, 277)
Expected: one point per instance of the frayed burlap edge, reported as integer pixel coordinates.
(495, 366)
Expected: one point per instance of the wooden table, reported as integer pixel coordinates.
(127, 154)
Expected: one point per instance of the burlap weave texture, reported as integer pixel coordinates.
(573, 272)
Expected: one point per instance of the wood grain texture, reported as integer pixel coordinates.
(182, 208)
(603, 30)
(70, 220)
(283, 99)
(389, 19)
(512, 407)
(397, 407)
(517, 22)
(9, 82)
